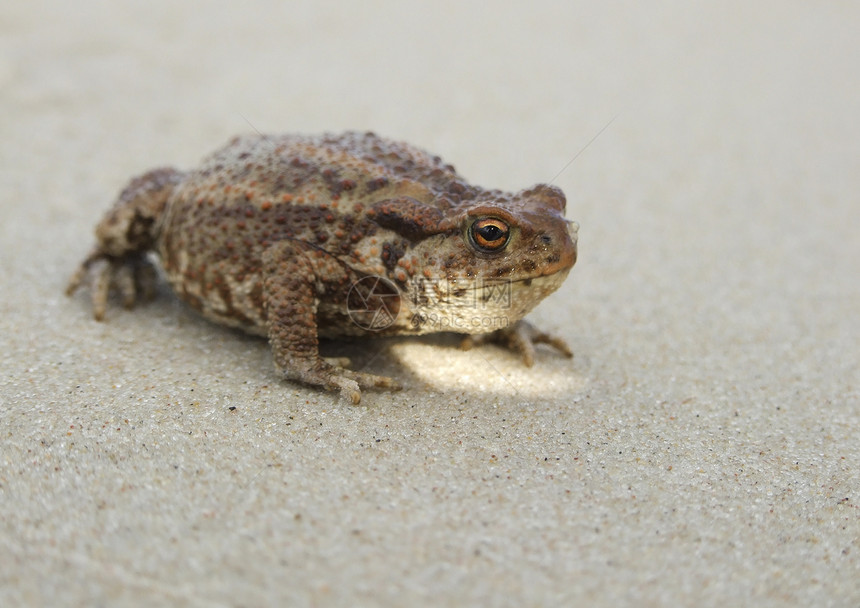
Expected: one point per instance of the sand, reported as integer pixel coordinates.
(703, 446)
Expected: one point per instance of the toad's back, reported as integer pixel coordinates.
(258, 190)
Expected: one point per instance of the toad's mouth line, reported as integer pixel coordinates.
(537, 277)
(457, 286)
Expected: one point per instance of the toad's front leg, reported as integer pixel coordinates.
(521, 338)
(291, 278)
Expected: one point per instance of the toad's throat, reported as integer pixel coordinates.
(480, 306)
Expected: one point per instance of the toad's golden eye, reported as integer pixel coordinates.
(489, 234)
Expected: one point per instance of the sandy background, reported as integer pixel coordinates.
(703, 448)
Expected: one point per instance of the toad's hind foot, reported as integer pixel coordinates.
(124, 236)
(132, 276)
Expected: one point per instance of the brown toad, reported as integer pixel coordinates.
(300, 237)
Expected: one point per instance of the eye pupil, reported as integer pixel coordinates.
(490, 233)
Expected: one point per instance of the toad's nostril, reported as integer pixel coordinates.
(546, 239)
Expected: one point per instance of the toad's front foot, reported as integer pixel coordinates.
(331, 376)
(520, 338)
(132, 276)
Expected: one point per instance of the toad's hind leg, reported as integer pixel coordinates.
(123, 238)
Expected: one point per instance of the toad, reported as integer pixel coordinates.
(298, 237)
